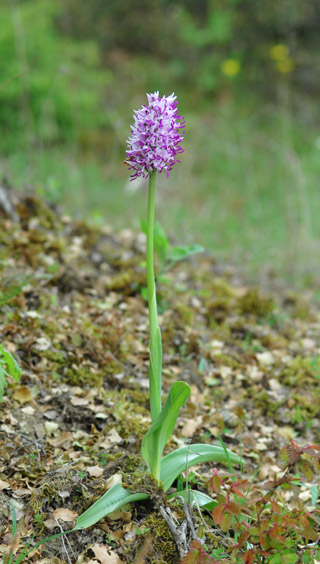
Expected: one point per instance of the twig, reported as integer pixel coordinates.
(64, 544)
(189, 519)
(178, 531)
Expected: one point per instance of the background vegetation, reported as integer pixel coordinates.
(247, 78)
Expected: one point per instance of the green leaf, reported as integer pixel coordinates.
(8, 367)
(161, 430)
(183, 458)
(202, 499)
(290, 558)
(181, 252)
(114, 498)
(3, 382)
(161, 242)
(12, 367)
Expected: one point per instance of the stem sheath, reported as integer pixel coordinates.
(155, 338)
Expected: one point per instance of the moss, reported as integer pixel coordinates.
(299, 372)
(56, 356)
(163, 550)
(309, 404)
(128, 281)
(221, 288)
(225, 360)
(49, 492)
(136, 396)
(263, 400)
(219, 308)
(131, 463)
(253, 303)
(80, 375)
(192, 344)
(183, 315)
(132, 425)
(140, 481)
(297, 305)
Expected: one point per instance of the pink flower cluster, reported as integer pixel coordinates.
(155, 136)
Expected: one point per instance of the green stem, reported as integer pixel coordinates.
(154, 330)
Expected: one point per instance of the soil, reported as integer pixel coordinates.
(73, 314)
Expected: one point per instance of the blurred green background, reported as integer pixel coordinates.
(246, 74)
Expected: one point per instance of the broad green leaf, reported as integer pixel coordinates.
(161, 430)
(183, 458)
(114, 498)
(202, 499)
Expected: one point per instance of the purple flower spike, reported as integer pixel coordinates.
(155, 136)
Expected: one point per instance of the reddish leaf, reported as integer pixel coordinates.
(215, 483)
(233, 508)
(276, 508)
(193, 556)
(226, 522)
(243, 537)
(293, 454)
(236, 487)
(305, 467)
(275, 534)
(249, 556)
(309, 533)
(197, 555)
(217, 513)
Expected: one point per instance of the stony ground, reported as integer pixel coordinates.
(74, 315)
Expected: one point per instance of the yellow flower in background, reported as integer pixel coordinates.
(286, 65)
(279, 52)
(230, 67)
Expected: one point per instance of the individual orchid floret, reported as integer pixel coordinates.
(155, 136)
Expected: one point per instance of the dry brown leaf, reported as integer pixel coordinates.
(105, 555)
(22, 394)
(63, 441)
(112, 438)
(265, 358)
(286, 432)
(94, 471)
(21, 492)
(50, 524)
(143, 552)
(114, 479)
(123, 513)
(51, 427)
(191, 426)
(65, 514)
(4, 485)
(77, 402)
(28, 410)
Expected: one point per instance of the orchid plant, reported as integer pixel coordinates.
(154, 145)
